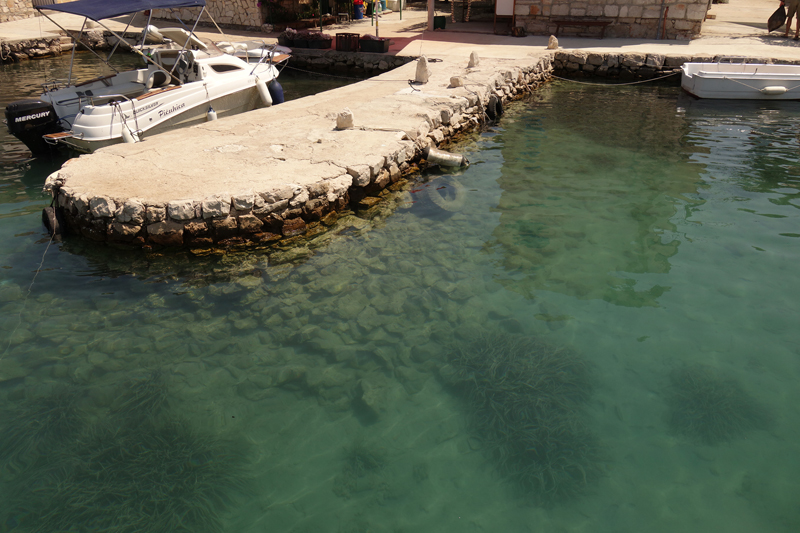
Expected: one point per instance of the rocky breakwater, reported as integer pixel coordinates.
(281, 171)
(16, 51)
(631, 65)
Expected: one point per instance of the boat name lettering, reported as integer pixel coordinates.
(165, 112)
(33, 116)
(148, 107)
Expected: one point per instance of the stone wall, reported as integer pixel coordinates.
(633, 65)
(16, 10)
(355, 64)
(240, 13)
(16, 51)
(638, 19)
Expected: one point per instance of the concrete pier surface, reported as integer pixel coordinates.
(273, 172)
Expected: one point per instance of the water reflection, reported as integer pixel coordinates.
(590, 194)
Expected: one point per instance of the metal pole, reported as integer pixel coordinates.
(74, 46)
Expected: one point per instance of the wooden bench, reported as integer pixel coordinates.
(582, 22)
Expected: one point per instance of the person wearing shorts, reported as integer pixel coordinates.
(791, 11)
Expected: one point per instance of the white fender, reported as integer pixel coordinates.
(775, 89)
(153, 35)
(263, 91)
(211, 115)
(129, 136)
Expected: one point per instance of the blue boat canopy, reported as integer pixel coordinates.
(106, 9)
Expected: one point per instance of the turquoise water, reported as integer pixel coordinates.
(592, 328)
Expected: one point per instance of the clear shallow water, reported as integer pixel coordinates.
(307, 390)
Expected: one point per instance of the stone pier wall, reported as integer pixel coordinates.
(290, 210)
(16, 51)
(638, 19)
(355, 64)
(631, 65)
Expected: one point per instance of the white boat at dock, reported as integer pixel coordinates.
(741, 81)
(184, 81)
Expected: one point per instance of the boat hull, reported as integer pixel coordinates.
(754, 81)
(228, 105)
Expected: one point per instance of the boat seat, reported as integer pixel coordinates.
(129, 90)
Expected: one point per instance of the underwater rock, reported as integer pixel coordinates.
(11, 369)
(10, 292)
(328, 377)
(288, 374)
(373, 395)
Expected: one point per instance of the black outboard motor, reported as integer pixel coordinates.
(28, 120)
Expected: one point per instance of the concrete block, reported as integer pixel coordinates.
(673, 60)
(594, 59)
(216, 207)
(654, 60)
(102, 206)
(337, 187)
(250, 224)
(243, 201)
(360, 175)
(696, 12)
(344, 120)
(633, 59)
(132, 211)
(165, 233)
(155, 214)
(181, 210)
(677, 11)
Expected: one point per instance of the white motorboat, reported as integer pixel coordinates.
(185, 81)
(741, 81)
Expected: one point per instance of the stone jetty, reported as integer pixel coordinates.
(280, 171)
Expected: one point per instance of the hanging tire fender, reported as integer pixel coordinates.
(53, 221)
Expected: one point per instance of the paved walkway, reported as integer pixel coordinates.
(739, 29)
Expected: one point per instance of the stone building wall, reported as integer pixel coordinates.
(638, 19)
(242, 13)
(16, 9)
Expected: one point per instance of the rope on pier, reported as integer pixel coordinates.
(616, 84)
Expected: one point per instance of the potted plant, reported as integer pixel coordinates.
(287, 37)
(318, 39)
(372, 44)
(301, 39)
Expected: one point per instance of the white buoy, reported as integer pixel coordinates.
(211, 115)
(263, 91)
(129, 136)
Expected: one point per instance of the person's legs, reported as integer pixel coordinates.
(791, 11)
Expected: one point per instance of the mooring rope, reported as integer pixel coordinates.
(754, 88)
(615, 84)
(27, 295)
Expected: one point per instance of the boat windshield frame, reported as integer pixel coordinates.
(89, 15)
